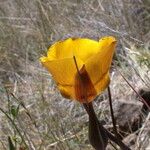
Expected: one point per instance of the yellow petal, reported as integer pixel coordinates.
(67, 91)
(85, 48)
(98, 65)
(93, 60)
(106, 42)
(61, 50)
(78, 47)
(62, 70)
(102, 84)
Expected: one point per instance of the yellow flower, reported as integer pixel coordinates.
(80, 66)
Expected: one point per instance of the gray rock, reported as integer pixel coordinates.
(127, 114)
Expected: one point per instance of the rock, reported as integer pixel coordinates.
(145, 94)
(127, 115)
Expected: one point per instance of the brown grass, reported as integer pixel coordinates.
(46, 120)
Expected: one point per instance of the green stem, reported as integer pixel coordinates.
(15, 126)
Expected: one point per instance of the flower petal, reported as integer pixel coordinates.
(85, 48)
(84, 89)
(106, 42)
(102, 84)
(98, 65)
(61, 50)
(93, 60)
(67, 91)
(62, 70)
(80, 47)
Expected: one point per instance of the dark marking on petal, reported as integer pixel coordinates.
(84, 88)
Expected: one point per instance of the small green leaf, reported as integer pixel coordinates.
(14, 110)
(11, 145)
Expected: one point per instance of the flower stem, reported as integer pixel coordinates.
(112, 113)
(97, 137)
(103, 132)
(115, 139)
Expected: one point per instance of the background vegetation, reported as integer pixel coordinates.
(32, 112)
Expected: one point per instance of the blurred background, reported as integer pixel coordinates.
(32, 111)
